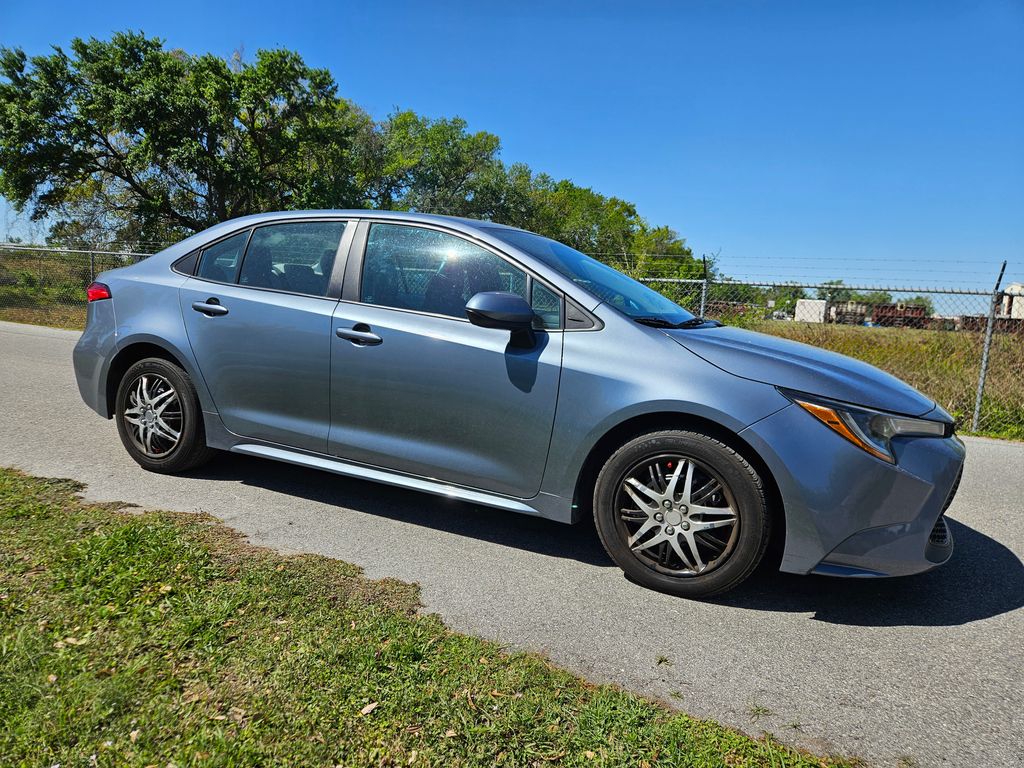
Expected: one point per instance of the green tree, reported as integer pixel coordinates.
(414, 163)
(835, 291)
(921, 301)
(127, 140)
(158, 143)
(785, 297)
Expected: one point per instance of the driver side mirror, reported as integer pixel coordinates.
(507, 311)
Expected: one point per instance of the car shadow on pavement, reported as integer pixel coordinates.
(509, 529)
(983, 579)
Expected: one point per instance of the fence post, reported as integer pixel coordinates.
(92, 267)
(704, 288)
(986, 346)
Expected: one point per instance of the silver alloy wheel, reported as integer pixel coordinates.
(152, 413)
(677, 515)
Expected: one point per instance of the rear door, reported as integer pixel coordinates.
(258, 315)
(416, 388)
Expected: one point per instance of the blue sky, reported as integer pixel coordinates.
(877, 141)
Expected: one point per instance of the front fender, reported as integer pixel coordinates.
(641, 373)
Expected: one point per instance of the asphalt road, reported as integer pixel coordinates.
(927, 670)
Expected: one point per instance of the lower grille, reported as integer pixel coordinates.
(953, 490)
(939, 536)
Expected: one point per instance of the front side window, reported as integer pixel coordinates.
(297, 257)
(220, 261)
(632, 298)
(430, 271)
(547, 306)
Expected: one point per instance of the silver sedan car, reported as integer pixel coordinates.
(496, 366)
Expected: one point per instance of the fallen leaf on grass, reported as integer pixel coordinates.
(133, 736)
(449, 733)
(369, 708)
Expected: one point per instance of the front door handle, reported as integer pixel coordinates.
(360, 335)
(211, 307)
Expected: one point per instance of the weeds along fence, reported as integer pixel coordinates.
(47, 286)
(964, 347)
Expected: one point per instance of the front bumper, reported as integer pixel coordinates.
(850, 514)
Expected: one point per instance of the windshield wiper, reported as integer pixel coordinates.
(660, 322)
(655, 322)
(693, 322)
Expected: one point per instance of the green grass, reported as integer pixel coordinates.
(133, 638)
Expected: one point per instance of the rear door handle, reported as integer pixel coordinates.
(211, 307)
(360, 335)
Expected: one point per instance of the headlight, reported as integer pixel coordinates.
(869, 430)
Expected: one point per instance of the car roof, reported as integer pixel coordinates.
(475, 227)
(458, 222)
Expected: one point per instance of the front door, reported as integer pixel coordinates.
(416, 388)
(260, 326)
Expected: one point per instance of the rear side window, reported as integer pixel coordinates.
(296, 257)
(220, 261)
(430, 271)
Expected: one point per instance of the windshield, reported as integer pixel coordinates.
(609, 285)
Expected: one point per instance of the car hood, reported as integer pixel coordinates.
(790, 364)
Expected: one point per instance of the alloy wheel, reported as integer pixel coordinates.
(677, 515)
(152, 413)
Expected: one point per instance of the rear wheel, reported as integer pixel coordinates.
(683, 513)
(159, 418)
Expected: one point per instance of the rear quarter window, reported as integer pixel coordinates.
(220, 261)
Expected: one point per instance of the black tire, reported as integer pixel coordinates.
(742, 493)
(190, 449)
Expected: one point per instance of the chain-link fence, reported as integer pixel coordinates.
(963, 347)
(47, 285)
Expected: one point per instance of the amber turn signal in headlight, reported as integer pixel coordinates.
(831, 418)
(871, 431)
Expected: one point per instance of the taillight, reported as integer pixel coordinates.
(97, 291)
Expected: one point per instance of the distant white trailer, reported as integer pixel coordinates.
(810, 310)
(1013, 301)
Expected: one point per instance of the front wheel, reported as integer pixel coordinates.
(159, 418)
(682, 512)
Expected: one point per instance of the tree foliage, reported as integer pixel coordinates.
(836, 291)
(127, 140)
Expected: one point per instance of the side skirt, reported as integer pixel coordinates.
(341, 467)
